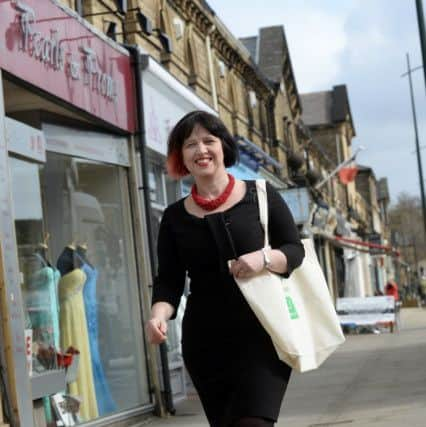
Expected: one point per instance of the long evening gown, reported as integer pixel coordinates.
(74, 333)
(43, 309)
(103, 395)
(42, 304)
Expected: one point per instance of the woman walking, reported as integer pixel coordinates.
(229, 356)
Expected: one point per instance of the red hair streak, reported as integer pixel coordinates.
(175, 167)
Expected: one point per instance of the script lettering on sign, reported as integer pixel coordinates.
(49, 49)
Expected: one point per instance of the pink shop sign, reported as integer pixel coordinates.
(51, 47)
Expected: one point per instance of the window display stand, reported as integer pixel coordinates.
(53, 383)
(47, 383)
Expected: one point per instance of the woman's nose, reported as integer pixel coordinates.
(201, 147)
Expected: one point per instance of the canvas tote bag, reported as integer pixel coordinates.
(297, 312)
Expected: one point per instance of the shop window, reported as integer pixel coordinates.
(157, 190)
(79, 285)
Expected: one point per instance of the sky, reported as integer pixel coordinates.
(363, 44)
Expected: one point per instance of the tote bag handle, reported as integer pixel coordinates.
(263, 207)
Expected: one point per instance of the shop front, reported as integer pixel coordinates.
(76, 351)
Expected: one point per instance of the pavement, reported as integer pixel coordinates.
(371, 381)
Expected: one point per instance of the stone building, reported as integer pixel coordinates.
(328, 116)
(358, 269)
(376, 195)
(269, 50)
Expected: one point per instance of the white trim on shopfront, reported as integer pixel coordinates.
(99, 146)
(155, 68)
(25, 140)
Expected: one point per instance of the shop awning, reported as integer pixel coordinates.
(366, 244)
(256, 152)
(359, 245)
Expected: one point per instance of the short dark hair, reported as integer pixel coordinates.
(183, 130)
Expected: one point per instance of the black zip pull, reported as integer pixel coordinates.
(227, 223)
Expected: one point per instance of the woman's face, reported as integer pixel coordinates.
(202, 153)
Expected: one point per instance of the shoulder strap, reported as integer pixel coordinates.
(263, 207)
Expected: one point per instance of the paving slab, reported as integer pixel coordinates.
(371, 381)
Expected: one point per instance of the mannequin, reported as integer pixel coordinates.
(67, 261)
(74, 328)
(82, 252)
(43, 306)
(103, 396)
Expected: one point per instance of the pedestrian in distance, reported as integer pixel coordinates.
(229, 356)
(391, 289)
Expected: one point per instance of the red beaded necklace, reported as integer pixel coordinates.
(211, 205)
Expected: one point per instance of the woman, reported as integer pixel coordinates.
(229, 356)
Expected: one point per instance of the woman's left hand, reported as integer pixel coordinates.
(247, 265)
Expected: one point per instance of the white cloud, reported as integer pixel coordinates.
(316, 38)
(366, 46)
(316, 47)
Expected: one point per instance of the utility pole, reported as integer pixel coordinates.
(416, 134)
(422, 33)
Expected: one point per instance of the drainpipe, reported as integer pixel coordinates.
(141, 137)
(270, 106)
(79, 7)
(211, 69)
(271, 124)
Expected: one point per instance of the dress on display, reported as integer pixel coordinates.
(104, 399)
(74, 333)
(229, 356)
(43, 310)
(42, 304)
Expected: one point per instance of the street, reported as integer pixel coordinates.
(373, 380)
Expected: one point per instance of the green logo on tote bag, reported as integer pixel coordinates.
(291, 308)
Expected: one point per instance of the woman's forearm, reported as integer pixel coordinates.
(278, 261)
(162, 310)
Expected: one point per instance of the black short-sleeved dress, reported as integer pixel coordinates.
(229, 356)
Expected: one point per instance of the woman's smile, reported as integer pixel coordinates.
(203, 161)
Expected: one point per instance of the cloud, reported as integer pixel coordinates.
(316, 36)
(315, 47)
(364, 46)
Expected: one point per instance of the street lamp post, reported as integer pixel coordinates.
(422, 33)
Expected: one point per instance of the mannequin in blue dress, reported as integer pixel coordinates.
(104, 399)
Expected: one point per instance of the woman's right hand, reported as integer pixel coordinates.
(156, 330)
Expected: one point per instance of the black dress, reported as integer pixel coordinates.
(229, 356)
